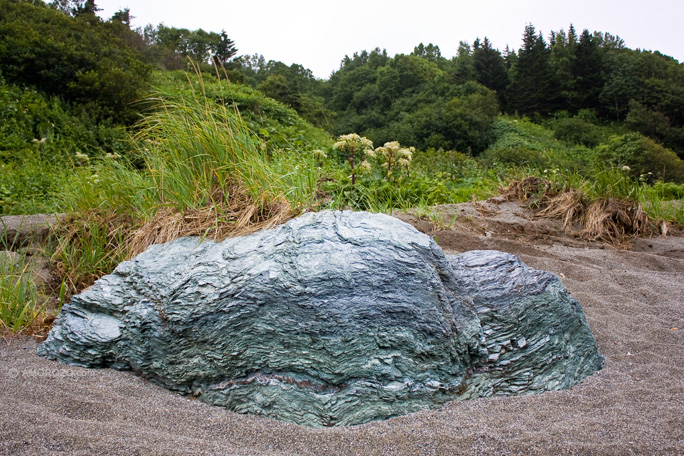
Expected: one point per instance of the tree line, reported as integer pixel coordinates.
(421, 99)
(593, 74)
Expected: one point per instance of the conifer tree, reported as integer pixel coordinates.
(562, 61)
(87, 8)
(490, 67)
(587, 70)
(534, 88)
(224, 49)
(123, 16)
(463, 69)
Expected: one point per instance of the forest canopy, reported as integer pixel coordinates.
(428, 100)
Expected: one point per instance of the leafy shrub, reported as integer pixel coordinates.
(28, 186)
(450, 163)
(576, 131)
(588, 116)
(643, 157)
(469, 118)
(43, 141)
(519, 156)
(83, 59)
(674, 139)
(30, 120)
(520, 143)
(648, 122)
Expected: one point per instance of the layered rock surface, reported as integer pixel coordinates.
(535, 334)
(334, 318)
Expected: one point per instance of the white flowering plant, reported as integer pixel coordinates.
(319, 156)
(356, 148)
(395, 158)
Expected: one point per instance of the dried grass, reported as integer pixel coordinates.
(610, 220)
(91, 244)
(529, 189)
(234, 214)
(616, 222)
(567, 206)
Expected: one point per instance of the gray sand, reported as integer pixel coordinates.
(633, 301)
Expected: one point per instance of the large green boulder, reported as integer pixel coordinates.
(335, 318)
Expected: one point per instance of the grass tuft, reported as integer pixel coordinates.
(22, 307)
(612, 220)
(89, 245)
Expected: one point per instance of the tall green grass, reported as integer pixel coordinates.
(20, 301)
(193, 147)
(87, 247)
(664, 201)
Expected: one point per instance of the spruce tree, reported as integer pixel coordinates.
(123, 16)
(562, 62)
(224, 49)
(534, 88)
(490, 67)
(462, 68)
(587, 70)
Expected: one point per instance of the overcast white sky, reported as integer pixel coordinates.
(318, 34)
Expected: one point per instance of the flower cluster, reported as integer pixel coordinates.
(353, 144)
(81, 157)
(319, 154)
(394, 156)
(391, 156)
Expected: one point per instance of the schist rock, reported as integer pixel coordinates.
(335, 318)
(535, 334)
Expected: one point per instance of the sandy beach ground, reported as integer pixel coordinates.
(633, 300)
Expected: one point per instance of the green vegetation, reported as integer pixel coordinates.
(643, 157)
(20, 302)
(44, 140)
(395, 177)
(195, 143)
(145, 135)
(81, 59)
(204, 172)
(273, 122)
